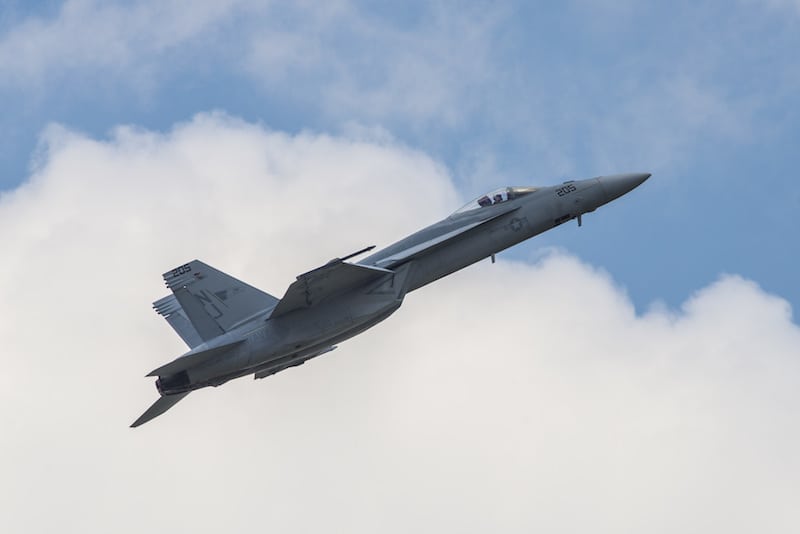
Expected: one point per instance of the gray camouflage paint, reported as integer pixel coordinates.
(234, 329)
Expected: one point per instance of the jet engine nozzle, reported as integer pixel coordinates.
(177, 383)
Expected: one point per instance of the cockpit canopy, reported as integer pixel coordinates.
(492, 198)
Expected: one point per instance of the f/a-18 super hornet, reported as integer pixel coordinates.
(234, 329)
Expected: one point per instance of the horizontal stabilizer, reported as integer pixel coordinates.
(432, 244)
(160, 406)
(333, 278)
(193, 359)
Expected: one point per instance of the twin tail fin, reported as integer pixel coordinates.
(206, 303)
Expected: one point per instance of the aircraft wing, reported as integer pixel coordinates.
(333, 278)
(418, 250)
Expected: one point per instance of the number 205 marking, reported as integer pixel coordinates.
(177, 271)
(561, 191)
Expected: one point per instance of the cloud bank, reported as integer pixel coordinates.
(511, 397)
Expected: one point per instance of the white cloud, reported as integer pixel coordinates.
(659, 124)
(349, 62)
(508, 397)
(353, 63)
(119, 40)
(617, 95)
(631, 92)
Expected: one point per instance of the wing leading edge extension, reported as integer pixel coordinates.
(432, 244)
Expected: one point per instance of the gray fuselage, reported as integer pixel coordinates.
(270, 344)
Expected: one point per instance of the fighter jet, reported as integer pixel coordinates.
(233, 329)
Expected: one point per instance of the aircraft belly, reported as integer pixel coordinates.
(304, 330)
(298, 333)
(344, 314)
(226, 365)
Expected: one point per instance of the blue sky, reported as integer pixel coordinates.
(702, 94)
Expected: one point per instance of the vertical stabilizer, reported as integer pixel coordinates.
(212, 301)
(169, 308)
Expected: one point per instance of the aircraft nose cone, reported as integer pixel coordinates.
(618, 184)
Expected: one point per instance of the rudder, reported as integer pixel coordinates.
(169, 308)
